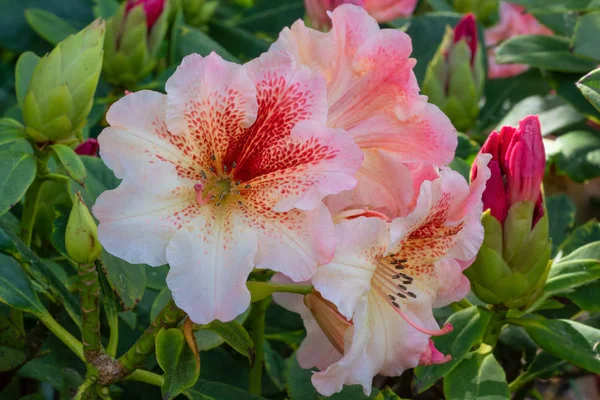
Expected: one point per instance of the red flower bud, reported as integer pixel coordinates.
(88, 148)
(152, 8)
(467, 29)
(517, 167)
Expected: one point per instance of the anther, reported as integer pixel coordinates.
(212, 197)
(238, 182)
(212, 157)
(391, 297)
(237, 192)
(240, 203)
(213, 170)
(233, 165)
(218, 204)
(396, 304)
(203, 174)
(247, 186)
(401, 295)
(224, 168)
(402, 287)
(221, 196)
(411, 294)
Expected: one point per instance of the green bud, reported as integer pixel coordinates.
(81, 237)
(199, 12)
(131, 47)
(61, 90)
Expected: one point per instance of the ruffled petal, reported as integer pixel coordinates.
(387, 10)
(212, 101)
(361, 242)
(138, 218)
(293, 242)
(210, 260)
(371, 89)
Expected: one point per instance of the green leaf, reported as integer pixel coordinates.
(567, 275)
(206, 390)
(23, 72)
(544, 52)
(127, 280)
(299, 386)
(234, 334)
(43, 370)
(590, 251)
(275, 366)
(99, 179)
(156, 277)
(207, 339)
(561, 216)
(582, 235)
(589, 86)
(238, 41)
(11, 358)
(555, 6)
(565, 86)
(177, 360)
(191, 40)
(572, 341)
(543, 365)
(59, 227)
(71, 161)
(469, 327)
(269, 17)
(387, 394)
(18, 172)
(48, 25)
(10, 335)
(587, 297)
(461, 166)
(578, 155)
(478, 376)
(16, 289)
(585, 37)
(11, 130)
(105, 8)
(111, 310)
(159, 303)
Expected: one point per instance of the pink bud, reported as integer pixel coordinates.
(88, 148)
(467, 29)
(152, 8)
(517, 167)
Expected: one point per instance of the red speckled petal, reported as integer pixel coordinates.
(138, 218)
(212, 101)
(371, 89)
(287, 93)
(138, 137)
(299, 171)
(210, 261)
(293, 242)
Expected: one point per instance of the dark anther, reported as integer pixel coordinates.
(233, 165)
(212, 157)
(247, 186)
(411, 294)
(218, 204)
(396, 304)
(401, 295)
(402, 287)
(391, 297)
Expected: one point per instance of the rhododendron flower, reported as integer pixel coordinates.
(88, 148)
(373, 94)
(152, 8)
(224, 173)
(381, 10)
(374, 300)
(514, 21)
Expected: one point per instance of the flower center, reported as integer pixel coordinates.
(217, 186)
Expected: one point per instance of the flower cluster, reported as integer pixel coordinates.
(319, 160)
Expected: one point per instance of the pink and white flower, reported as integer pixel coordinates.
(374, 300)
(514, 21)
(224, 173)
(381, 10)
(372, 93)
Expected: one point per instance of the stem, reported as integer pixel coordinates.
(55, 177)
(89, 294)
(84, 387)
(494, 328)
(137, 354)
(291, 288)
(141, 375)
(257, 333)
(32, 198)
(61, 333)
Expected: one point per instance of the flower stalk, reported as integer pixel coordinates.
(257, 333)
(89, 294)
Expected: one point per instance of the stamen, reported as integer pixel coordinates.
(233, 165)
(203, 174)
(239, 203)
(212, 157)
(247, 186)
(224, 168)
(218, 204)
(438, 332)
(238, 182)
(213, 170)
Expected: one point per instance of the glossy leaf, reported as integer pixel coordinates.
(567, 275)
(177, 361)
(10, 131)
(585, 37)
(544, 52)
(48, 25)
(206, 390)
(18, 172)
(589, 86)
(582, 235)
(469, 327)
(579, 155)
(16, 289)
(127, 280)
(478, 376)
(569, 340)
(235, 335)
(207, 339)
(587, 297)
(299, 386)
(70, 161)
(23, 72)
(561, 217)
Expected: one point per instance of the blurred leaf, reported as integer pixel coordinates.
(554, 6)
(544, 52)
(70, 161)
(205, 390)
(59, 228)
(299, 386)
(159, 303)
(582, 235)
(587, 297)
(18, 172)
(572, 341)
(10, 131)
(478, 376)
(207, 339)
(48, 25)
(11, 358)
(10, 335)
(16, 289)
(105, 8)
(387, 394)
(352, 392)
(275, 366)
(127, 280)
(239, 42)
(543, 365)
(99, 179)
(461, 166)
(44, 370)
(469, 326)
(565, 86)
(23, 72)
(578, 155)
(589, 86)
(467, 147)
(156, 277)
(234, 334)
(561, 217)
(269, 17)
(560, 23)
(177, 361)
(191, 40)
(585, 37)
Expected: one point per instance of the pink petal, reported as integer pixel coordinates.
(433, 356)
(388, 10)
(210, 261)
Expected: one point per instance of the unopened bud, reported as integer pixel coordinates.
(61, 90)
(88, 148)
(81, 237)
